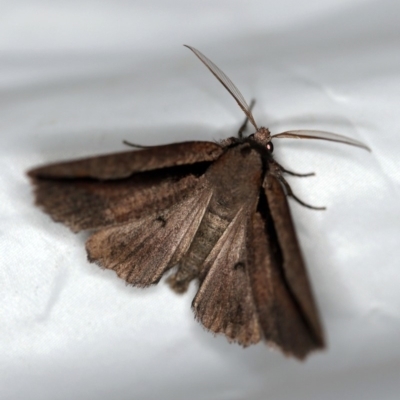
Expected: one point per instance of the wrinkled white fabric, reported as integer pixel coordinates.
(78, 77)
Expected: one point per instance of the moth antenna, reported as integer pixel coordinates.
(322, 135)
(227, 83)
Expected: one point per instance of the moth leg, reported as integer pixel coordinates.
(137, 146)
(286, 171)
(244, 125)
(229, 142)
(290, 193)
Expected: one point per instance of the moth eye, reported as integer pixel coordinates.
(270, 147)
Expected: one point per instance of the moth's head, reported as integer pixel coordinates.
(263, 137)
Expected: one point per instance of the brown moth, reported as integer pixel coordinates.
(218, 212)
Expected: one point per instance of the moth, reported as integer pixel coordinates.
(216, 213)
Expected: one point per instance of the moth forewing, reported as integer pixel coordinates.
(292, 264)
(224, 302)
(97, 192)
(141, 251)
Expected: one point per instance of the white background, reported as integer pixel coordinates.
(78, 77)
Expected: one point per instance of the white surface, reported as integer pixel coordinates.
(77, 77)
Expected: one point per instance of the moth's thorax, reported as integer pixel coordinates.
(239, 163)
(235, 178)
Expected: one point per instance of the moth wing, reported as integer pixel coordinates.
(124, 164)
(281, 304)
(83, 204)
(107, 190)
(224, 303)
(292, 263)
(141, 251)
